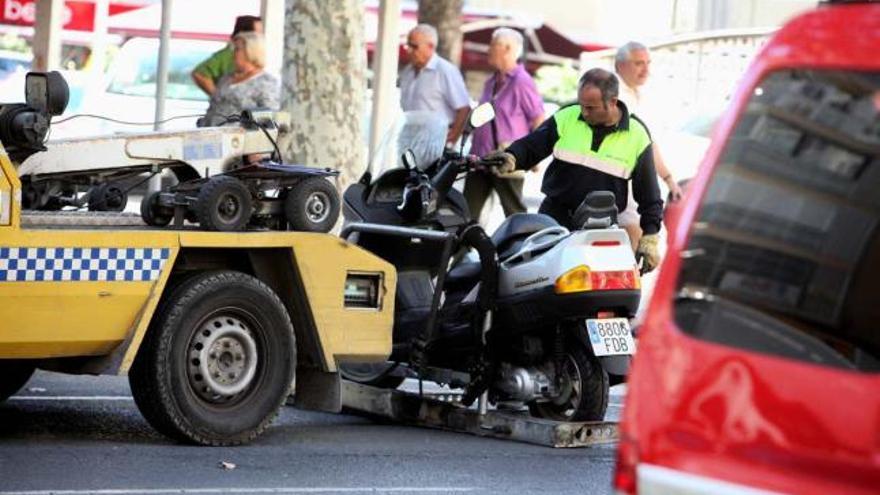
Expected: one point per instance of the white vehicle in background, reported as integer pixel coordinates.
(128, 92)
(685, 143)
(12, 62)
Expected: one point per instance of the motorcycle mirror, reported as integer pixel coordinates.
(409, 159)
(482, 115)
(46, 92)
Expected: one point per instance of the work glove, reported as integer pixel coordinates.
(675, 192)
(508, 165)
(647, 250)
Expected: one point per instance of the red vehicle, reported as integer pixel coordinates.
(758, 368)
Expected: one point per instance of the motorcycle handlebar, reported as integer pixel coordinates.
(482, 164)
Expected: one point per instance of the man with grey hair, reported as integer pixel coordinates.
(431, 83)
(518, 110)
(633, 66)
(597, 145)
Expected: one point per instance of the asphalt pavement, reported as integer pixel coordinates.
(81, 434)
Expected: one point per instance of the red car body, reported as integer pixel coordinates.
(706, 417)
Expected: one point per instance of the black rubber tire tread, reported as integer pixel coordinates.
(100, 201)
(295, 205)
(15, 374)
(594, 389)
(209, 196)
(158, 376)
(381, 379)
(149, 211)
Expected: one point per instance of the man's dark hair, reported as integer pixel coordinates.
(602, 79)
(245, 24)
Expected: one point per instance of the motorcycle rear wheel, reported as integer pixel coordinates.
(583, 390)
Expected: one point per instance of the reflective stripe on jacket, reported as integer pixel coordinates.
(616, 156)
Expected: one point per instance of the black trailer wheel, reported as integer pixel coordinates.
(219, 362)
(583, 389)
(312, 205)
(224, 203)
(153, 214)
(373, 374)
(107, 197)
(15, 373)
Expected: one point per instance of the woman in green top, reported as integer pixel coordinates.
(207, 73)
(248, 87)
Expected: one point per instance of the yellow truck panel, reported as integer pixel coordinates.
(43, 320)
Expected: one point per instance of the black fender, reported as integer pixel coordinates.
(616, 366)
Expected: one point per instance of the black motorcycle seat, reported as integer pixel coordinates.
(516, 228)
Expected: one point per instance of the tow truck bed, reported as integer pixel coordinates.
(430, 411)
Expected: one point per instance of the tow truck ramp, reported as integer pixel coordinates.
(430, 410)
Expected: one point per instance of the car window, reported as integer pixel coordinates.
(136, 73)
(784, 256)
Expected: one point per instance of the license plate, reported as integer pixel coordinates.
(610, 336)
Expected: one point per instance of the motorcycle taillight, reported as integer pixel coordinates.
(625, 472)
(612, 280)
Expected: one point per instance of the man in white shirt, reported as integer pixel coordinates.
(432, 83)
(632, 65)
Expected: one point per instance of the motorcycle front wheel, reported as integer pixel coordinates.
(583, 389)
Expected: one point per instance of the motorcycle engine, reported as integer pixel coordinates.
(523, 384)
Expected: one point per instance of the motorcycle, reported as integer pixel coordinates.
(539, 318)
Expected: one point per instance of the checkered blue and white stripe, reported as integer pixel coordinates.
(62, 264)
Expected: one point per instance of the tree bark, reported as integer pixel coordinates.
(324, 85)
(445, 15)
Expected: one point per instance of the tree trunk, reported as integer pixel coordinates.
(445, 15)
(324, 85)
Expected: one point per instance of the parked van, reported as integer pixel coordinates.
(758, 368)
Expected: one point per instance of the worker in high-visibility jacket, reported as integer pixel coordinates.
(597, 145)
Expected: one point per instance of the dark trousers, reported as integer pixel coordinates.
(479, 185)
(558, 212)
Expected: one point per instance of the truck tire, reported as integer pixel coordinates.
(152, 213)
(225, 204)
(107, 197)
(373, 374)
(219, 361)
(312, 205)
(584, 389)
(15, 373)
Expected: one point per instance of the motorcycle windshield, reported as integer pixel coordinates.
(423, 132)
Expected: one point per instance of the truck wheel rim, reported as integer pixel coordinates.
(317, 207)
(223, 359)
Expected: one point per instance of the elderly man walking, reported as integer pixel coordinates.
(432, 83)
(633, 66)
(518, 110)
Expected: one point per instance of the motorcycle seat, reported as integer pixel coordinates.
(515, 228)
(507, 239)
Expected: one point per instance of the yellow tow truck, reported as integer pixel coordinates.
(212, 328)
